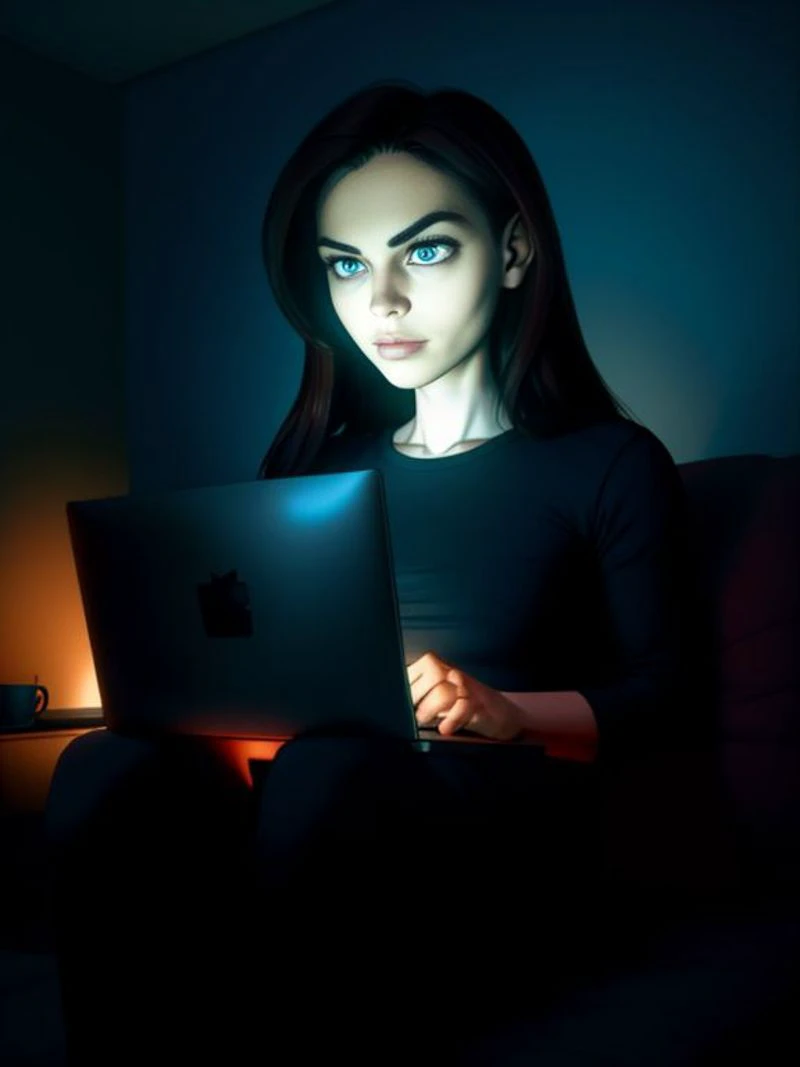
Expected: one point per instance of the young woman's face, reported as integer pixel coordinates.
(389, 276)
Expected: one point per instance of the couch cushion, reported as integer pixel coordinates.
(746, 532)
(745, 512)
(722, 811)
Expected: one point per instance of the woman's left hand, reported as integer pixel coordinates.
(445, 695)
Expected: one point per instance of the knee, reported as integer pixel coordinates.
(322, 785)
(91, 770)
(335, 764)
(108, 784)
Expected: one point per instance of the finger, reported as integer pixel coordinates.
(427, 659)
(436, 703)
(428, 663)
(417, 687)
(459, 716)
(425, 685)
(414, 671)
(456, 677)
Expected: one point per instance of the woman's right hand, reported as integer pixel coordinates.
(451, 700)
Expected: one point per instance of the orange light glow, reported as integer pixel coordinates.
(41, 612)
(27, 762)
(237, 754)
(88, 693)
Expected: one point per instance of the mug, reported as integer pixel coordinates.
(21, 705)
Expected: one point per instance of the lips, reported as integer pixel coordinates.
(398, 350)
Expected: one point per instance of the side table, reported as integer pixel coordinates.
(28, 757)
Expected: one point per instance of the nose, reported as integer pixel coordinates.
(387, 297)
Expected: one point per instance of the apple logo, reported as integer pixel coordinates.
(225, 606)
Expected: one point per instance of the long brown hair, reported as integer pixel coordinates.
(545, 376)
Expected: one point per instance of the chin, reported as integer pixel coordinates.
(408, 381)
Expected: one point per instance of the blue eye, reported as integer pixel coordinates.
(331, 262)
(426, 248)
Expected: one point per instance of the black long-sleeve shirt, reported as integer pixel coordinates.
(545, 565)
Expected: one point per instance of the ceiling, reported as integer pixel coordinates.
(114, 40)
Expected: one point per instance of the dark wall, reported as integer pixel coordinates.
(62, 411)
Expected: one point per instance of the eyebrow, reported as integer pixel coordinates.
(404, 235)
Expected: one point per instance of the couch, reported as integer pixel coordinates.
(701, 845)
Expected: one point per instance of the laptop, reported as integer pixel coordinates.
(263, 610)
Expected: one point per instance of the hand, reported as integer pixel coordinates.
(455, 700)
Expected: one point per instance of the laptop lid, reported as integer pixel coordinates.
(261, 609)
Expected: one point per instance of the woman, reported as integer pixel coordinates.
(538, 532)
(422, 217)
(540, 552)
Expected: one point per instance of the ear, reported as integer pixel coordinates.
(517, 252)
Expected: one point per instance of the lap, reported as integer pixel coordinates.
(154, 832)
(443, 829)
(111, 784)
(168, 816)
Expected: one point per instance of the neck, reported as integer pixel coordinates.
(462, 406)
(436, 437)
(422, 449)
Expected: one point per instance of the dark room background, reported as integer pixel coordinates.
(142, 350)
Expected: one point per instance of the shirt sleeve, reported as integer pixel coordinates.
(639, 528)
